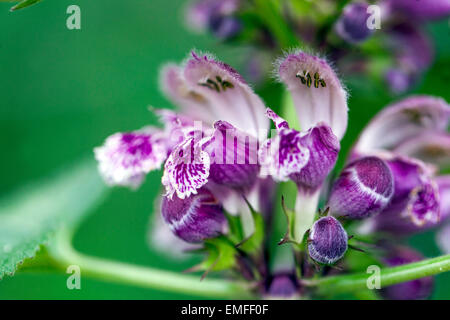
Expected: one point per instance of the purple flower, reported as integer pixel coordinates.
(208, 90)
(304, 157)
(399, 80)
(431, 147)
(235, 157)
(327, 241)
(364, 188)
(401, 121)
(400, 134)
(125, 158)
(415, 204)
(352, 25)
(410, 290)
(195, 218)
(225, 27)
(282, 286)
(227, 157)
(420, 10)
(317, 93)
(203, 14)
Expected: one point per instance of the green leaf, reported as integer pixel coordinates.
(24, 4)
(30, 217)
(253, 243)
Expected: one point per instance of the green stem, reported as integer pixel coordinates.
(270, 12)
(63, 255)
(388, 276)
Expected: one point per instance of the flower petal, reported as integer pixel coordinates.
(416, 201)
(125, 158)
(234, 157)
(430, 147)
(210, 90)
(316, 90)
(283, 155)
(363, 189)
(403, 120)
(186, 169)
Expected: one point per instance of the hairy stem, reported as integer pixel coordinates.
(388, 276)
(62, 254)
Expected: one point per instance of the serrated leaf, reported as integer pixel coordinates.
(29, 217)
(24, 4)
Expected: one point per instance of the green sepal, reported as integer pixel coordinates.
(221, 255)
(253, 243)
(290, 217)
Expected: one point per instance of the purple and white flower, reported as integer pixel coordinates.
(195, 218)
(317, 93)
(401, 135)
(127, 157)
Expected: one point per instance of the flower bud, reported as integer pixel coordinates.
(282, 286)
(352, 25)
(363, 189)
(225, 27)
(410, 290)
(327, 242)
(194, 218)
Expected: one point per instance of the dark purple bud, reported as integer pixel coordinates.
(412, 46)
(327, 242)
(224, 27)
(421, 10)
(282, 286)
(399, 81)
(410, 290)
(235, 157)
(352, 25)
(363, 189)
(323, 148)
(194, 218)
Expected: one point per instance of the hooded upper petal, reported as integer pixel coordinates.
(431, 147)
(209, 90)
(401, 121)
(125, 158)
(317, 93)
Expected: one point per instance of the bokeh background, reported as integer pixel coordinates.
(63, 91)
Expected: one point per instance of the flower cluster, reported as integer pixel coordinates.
(360, 36)
(222, 164)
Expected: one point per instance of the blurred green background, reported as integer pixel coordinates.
(63, 91)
